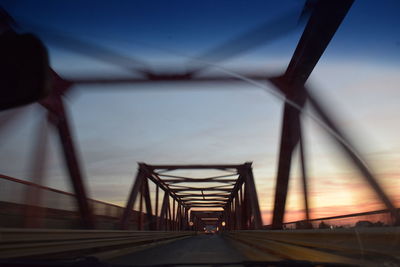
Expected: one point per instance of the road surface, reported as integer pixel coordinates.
(197, 249)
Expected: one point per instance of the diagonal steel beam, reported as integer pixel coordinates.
(132, 198)
(355, 157)
(59, 118)
(149, 211)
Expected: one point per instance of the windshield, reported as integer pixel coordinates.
(209, 132)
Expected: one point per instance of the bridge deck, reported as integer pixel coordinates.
(357, 246)
(195, 249)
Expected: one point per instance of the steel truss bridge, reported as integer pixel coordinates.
(236, 197)
(183, 208)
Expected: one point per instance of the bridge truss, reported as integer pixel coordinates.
(229, 201)
(237, 197)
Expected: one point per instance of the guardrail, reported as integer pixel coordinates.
(68, 244)
(55, 209)
(359, 246)
(377, 218)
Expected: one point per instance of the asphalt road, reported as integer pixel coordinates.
(196, 249)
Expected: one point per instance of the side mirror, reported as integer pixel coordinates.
(24, 70)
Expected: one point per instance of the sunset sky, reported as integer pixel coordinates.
(117, 126)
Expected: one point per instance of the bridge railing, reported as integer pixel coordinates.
(52, 208)
(378, 218)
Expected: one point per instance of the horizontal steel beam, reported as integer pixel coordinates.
(206, 206)
(130, 80)
(207, 199)
(182, 196)
(191, 178)
(195, 180)
(201, 189)
(206, 203)
(200, 166)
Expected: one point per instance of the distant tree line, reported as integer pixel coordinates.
(323, 225)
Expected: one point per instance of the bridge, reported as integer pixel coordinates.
(194, 220)
(173, 234)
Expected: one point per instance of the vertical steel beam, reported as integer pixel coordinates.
(289, 140)
(228, 217)
(233, 214)
(140, 214)
(231, 217)
(252, 195)
(245, 210)
(304, 175)
(325, 19)
(179, 217)
(237, 212)
(183, 222)
(173, 215)
(242, 208)
(170, 223)
(156, 212)
(183, 225)
(149, 210)
(186, 224)
(164, 212)
(240, 195)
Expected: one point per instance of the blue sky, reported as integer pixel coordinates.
(183, 123)
(193, 26)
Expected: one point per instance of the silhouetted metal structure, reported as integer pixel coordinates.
(202, 219)
(237, 197)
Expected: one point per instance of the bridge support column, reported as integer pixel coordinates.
(164, 213)
(149, 210)
(252, 197)
(237, 212)
(289, 140)
(324, 20)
